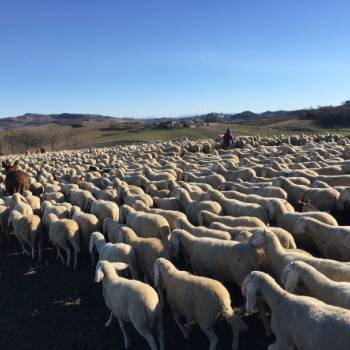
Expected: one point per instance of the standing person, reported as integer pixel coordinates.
(227, 139)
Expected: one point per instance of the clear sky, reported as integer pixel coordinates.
(172, 57)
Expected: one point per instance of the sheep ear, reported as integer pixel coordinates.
(256, 241)
(251, 297)
(156, 274)
(15, 163)
(271, 210)
(92, 243)
(9, 221)
(119, 266)
(121, 215)
(176, 245)
(99, 273)
(291, 280)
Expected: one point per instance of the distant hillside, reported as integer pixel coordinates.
(251, 116)
(33, 119)
(329, 116)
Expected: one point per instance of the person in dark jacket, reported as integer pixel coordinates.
(228, 139)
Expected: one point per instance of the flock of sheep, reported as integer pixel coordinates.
(176, 223)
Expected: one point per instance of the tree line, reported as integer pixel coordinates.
(331, 117)
(49, 138)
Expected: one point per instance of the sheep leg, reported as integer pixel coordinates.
(213, 339)
(93, 260)
(160, 331)
(264, 318)
(161, 298)
(126, 338)
(148, 336)
(39, 250)
(24, 250)
(180, 325)
(75, 260)
(188, 327)
(279, 345)
(59, 255)
(109, 321)
(68, 252)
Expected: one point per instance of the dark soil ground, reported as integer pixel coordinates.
(50, 307)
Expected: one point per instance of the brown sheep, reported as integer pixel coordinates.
(16, 180)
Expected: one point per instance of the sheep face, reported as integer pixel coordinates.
(122, 215)
(174, 246)
(249, 291)
(103, 266)
(93, 237)
(156, 273)
(290, 277)
(271, 210)
(300, 225)
(258, 240)
(99, 274)
(244, 236)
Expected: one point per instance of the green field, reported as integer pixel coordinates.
(287, 126)
(101, 134)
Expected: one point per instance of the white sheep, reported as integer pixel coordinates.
(279, 258)
(315, 284)
(20, 204)
(118, 252)
(4, 216)
(103, 209)
(237, 208)
(125, 196)
(64, 234)
(110, 229)
(170, 203)
(201, 231)
(205, 218)
(87, 223)
(284, 236)
(198, 299)
(227, 261)
(298, 322)
(170, 215)
(131, 301)
(28, 230)
(80, 198)
(192, 208)
(144, 224)
(147, 250)
(333, 242)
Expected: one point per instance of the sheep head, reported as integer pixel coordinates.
(104, 267)
(174, 243)
(93, 237)
(14, 216)
(290, 276)
(156, 273)
(250, 287)
(300, 225)
(259, 239)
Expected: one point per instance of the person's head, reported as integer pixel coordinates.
(228, 130)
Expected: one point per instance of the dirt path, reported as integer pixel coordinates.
(49, 307)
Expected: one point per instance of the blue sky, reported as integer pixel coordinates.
(172, 57)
